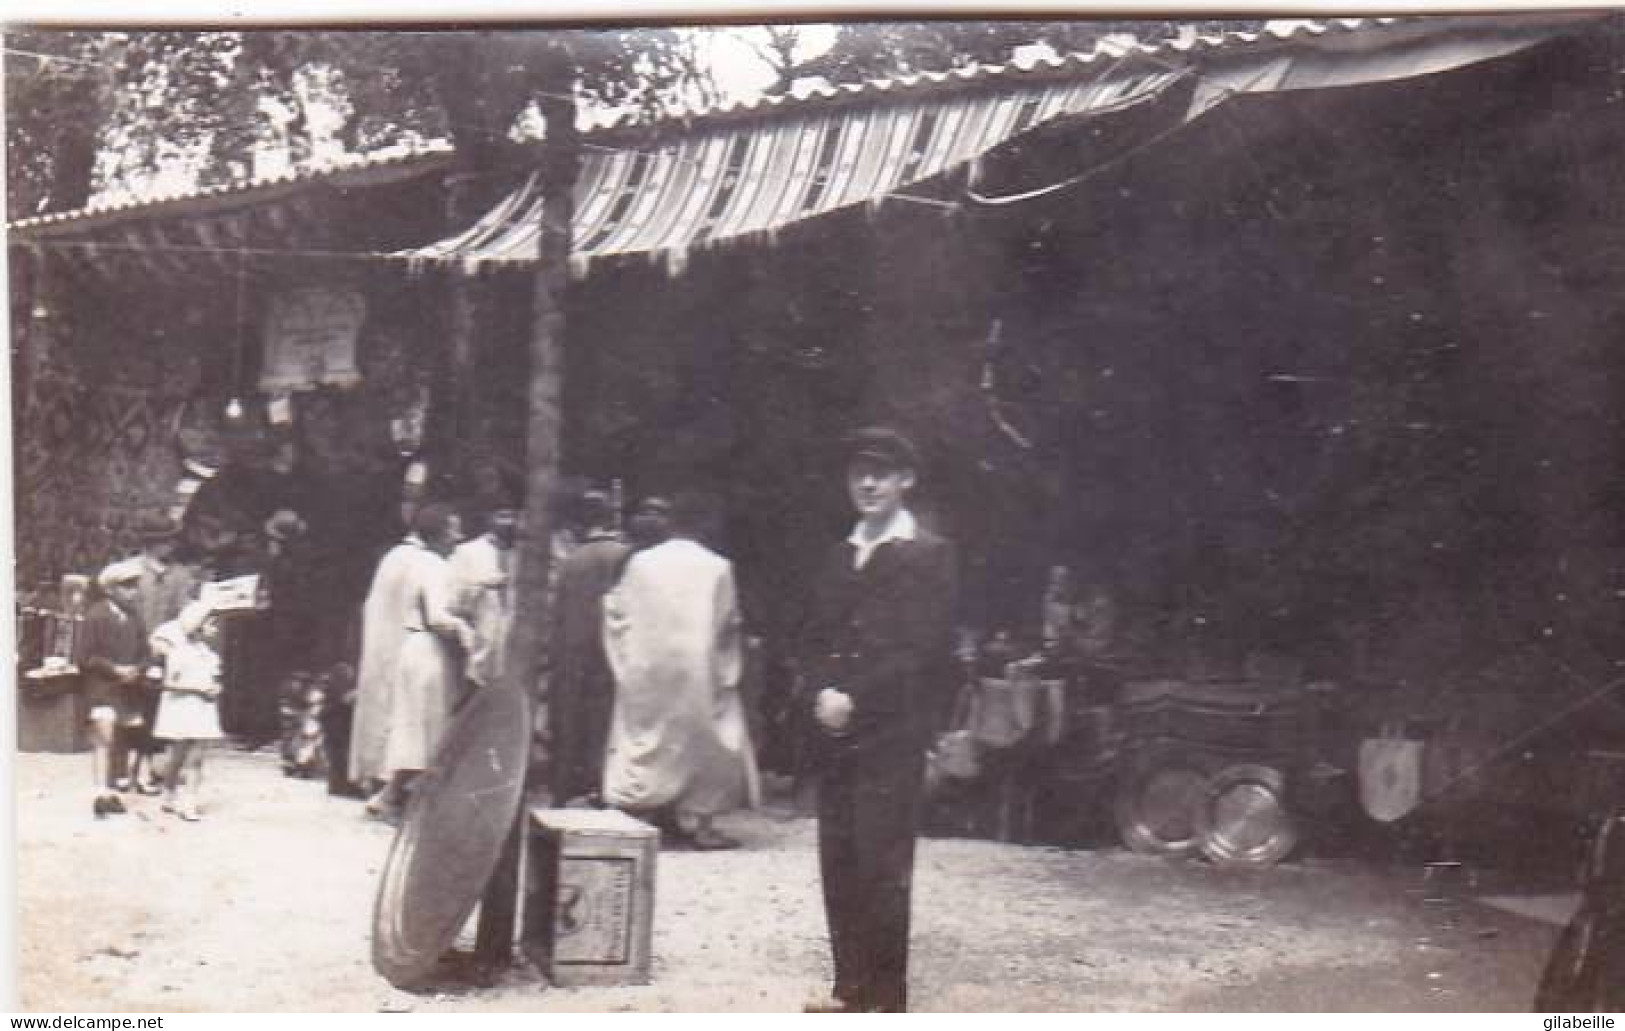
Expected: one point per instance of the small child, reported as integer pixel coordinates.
(187, 715)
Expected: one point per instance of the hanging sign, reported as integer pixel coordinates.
(310, 339)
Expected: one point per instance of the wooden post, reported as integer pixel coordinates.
(532, 617)
(527, 642)
(455, 416)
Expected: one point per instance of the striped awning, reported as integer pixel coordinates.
(731, 179)
(727, 183)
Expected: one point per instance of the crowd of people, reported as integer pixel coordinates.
(643, 706)
(643, 709)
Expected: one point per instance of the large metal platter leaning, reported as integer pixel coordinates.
(1605, 860)
(1156, 808)
(1243, 820)
(1569, 980)
(452, 835)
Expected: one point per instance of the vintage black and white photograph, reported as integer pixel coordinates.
(1084, 514)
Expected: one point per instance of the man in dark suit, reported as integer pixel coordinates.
(881, 623)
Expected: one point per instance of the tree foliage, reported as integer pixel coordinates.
(141, 100)
(90, 110)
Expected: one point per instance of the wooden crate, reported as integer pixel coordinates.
(589, 896)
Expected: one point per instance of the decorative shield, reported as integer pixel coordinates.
(1243, 819)
(461, 812)
(1390, 777)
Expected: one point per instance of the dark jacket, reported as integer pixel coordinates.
(110, 637)
(882, 634)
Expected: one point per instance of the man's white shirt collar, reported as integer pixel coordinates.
(901, 528)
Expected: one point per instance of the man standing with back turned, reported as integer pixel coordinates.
(881, 624)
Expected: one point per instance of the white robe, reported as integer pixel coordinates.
(678, 733)
(482, 592)
(408, 675)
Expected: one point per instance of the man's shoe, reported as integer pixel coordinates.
(827, 1005)
(712, 841)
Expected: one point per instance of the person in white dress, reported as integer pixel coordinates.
(678, 743)
(482, 592)
(188, 717)
(412, 646)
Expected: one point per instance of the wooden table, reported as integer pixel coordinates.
(51, 711)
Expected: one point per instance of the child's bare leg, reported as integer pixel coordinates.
(158, 765)
(133, 766)
(194, 767)
(173, 776)
(101, 752)
(102, 723)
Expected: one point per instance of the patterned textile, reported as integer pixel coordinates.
(90, 461)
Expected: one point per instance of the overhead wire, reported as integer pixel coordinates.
(1223, 97)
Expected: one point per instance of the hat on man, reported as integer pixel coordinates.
(883, 445)
(124, 571)
(156, 526)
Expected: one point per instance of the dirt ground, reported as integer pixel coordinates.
(265, 906)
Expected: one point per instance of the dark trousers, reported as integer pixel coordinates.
(868, 816)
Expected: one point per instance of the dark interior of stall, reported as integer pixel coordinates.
(1321, 384)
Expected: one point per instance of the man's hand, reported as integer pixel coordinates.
(833, 710)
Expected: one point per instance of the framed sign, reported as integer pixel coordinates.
(310, 339)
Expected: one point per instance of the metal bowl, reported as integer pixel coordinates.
(1242, 819)
(1156, 808)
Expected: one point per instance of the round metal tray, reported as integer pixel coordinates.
(453, 833)
(1242, 818)
(1156, 808)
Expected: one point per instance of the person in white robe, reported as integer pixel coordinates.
(678, 741)
(411, 655)
(482, 592)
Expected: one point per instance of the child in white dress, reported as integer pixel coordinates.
(187, 714)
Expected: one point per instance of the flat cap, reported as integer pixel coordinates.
(884, 445)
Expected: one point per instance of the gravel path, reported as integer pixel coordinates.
(265, 906)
